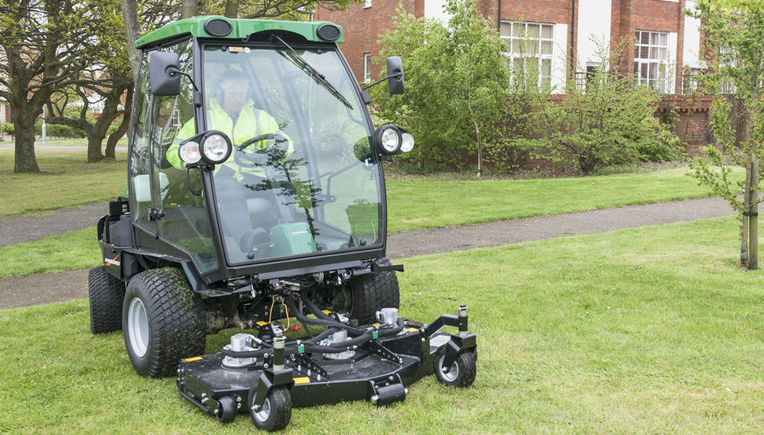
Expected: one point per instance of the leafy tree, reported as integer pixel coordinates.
(608, 121)
(41, 43)
(106, 78)
(456, 78)
(734, 52)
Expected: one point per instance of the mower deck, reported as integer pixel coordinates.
(378, 369)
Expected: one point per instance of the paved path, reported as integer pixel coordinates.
(57, 287)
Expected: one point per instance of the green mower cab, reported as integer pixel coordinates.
(255, 190)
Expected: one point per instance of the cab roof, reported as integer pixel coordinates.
(240, 29)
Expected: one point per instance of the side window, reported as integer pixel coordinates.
(140, 159)
(185, 223)
(174, 117)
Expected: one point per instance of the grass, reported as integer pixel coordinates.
(67, 142)
(73, 250)
(418, 202)
(653, 330)
(66, 181)
(414, 202)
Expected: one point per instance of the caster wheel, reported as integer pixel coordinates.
(462, 371)
(275, 412)
(226, 412)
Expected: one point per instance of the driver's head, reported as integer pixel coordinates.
(234, 85)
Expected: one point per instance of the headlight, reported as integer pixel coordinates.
(391, 140)
(189, 152)
(387, 139)
(216, 147)
(408, 142)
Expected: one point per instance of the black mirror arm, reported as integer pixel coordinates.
(396, 75)
(172, 72)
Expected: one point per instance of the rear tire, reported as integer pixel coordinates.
(373, 292)
(162, 321)
(106, 294)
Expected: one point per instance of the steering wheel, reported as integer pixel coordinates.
(277, 148)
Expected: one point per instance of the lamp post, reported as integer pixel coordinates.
(302, 10)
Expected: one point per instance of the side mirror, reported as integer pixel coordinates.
(395, 72)
(164, 69)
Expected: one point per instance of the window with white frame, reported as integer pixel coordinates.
(651, 59)
(366, 4)
(531, 46)
(366, 67)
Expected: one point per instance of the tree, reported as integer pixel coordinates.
(41, 43)
(105, 78)
(734, 52)
(608, 120)
(456, 79)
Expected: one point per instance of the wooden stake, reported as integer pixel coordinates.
(745, 226)
(753, 245)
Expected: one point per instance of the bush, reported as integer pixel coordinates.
(58, 130)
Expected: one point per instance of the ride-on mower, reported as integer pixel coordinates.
(256, 199)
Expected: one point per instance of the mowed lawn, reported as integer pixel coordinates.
(66, 180)
(414, 202)
(648, 330)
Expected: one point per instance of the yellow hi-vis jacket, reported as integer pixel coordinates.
(250, 122)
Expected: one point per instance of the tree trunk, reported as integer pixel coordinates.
(746, 220)
(189, 8)
(231, 9)
(753, 245)
(111, 144)
(23, 126)
(101, 127)
(133, 30)
(479, 141)
(480, 150)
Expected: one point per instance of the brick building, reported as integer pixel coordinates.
(668, 42)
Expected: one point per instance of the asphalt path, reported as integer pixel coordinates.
(57, 287)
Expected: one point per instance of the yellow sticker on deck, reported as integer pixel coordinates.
(196, 358)
(304, 380)
(261, 323)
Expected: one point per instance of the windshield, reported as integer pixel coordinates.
(301, 178)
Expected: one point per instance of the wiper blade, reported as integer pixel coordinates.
(317, 76)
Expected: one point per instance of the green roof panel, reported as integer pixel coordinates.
(241, 29)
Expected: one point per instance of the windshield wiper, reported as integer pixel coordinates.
(317, 76)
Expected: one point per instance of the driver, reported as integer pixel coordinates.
(233, 113)
(246, 207)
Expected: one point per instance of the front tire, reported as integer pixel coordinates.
(162, 321)
(275, 412)
(373, 292)
(106, 294)
(227, 409)
(462, 372)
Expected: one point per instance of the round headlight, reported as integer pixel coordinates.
(189, 153)
(408, 142)
(390, 140)
(216, 148)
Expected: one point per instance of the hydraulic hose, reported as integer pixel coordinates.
(320, 322)
(311, 344)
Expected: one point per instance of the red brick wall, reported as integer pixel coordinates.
(362, 26)
(542, 11)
